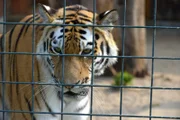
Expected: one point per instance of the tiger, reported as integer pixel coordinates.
(51, 58)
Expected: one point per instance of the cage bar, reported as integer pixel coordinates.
(154, 27)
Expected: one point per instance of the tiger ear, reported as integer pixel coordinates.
(108, 18)
(46, 12)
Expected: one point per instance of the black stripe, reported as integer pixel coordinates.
(19, 35)
(107, 48)
(48, 43)
(67, 22)
(10, 37)
(59, 95)
(107, 60)
(66, 30)
(10, 60)
(104, 63)
(87, 20)
(67, 18)
(60, 36)
(38, 17)
(89, 43)
(52, 34)
(82, 37)
(75, 30)
(11, 63)
(44, 46)
(29, 107)
(23, 114)
(49, 61)
(95, 63)
(96, 36)
(13, 56)
(2, 43)
(102, 48)
(37, 101)
(28, 20)
(84, 26)
(15, 71)
(1, 56)
(38, 79)
(83, 15)
(99, 62)
(51, 65)
(38, 73)
(82, 31)
(70, 15)
(48, 107)
(75, 22)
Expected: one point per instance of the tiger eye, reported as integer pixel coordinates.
(52, 34)
(86, 51)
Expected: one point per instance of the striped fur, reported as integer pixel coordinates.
(46, 100)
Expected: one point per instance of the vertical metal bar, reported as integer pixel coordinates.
(63, 58)
(122, 64)
(3, 60)
(92, 73)
(33, 49)
(152, 66)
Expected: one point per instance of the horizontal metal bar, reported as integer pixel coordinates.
(151, 87)
(116, 26)
(91, 85)
(102, 115)
(135, 57)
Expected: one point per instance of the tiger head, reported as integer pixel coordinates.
(78, 49)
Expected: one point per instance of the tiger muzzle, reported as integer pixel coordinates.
(83, 92)
(71, 94)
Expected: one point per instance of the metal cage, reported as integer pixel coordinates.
(123, 26)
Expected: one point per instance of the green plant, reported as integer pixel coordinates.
(127, 79)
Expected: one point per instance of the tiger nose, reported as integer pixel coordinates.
(69, 87)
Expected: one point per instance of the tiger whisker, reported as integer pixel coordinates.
(37, 87)
(39, 83)
(37, 92)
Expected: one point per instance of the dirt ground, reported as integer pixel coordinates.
(136, 101)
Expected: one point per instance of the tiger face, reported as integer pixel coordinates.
(78, 43)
